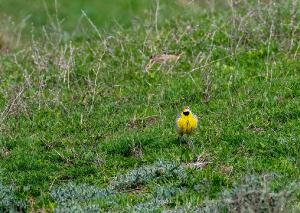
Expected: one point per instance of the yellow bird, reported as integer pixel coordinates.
(186, 122)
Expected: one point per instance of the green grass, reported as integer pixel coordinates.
(86, 126)
(106, 14)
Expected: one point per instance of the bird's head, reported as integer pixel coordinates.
(186, 110)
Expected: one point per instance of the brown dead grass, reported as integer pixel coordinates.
(163, 58)
(138, 123)
(5, 43)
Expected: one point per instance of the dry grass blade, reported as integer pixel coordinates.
(4, 43)
(15, 105)
(198, 164)
(164, 58)
(142, 122)
(137, 150)
(226, 170)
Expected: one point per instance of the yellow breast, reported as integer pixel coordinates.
(186, 124)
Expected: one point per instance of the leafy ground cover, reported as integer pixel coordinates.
(87, 114)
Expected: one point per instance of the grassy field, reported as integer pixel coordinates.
(90, 90)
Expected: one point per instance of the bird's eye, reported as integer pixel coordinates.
(186, 113)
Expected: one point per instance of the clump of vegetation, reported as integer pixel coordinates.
(73, 206)
(8, 200)
(75, 192)
(84, 196)
(160, 199)
(256, 194)
(78, 197)
(142, 175)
